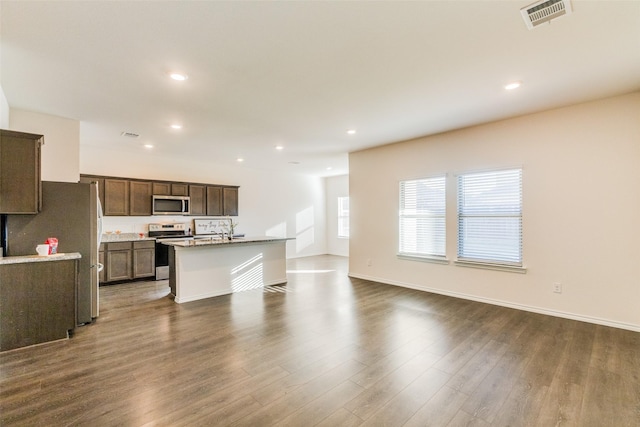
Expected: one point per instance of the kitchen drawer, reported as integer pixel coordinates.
(118, 246)
(144, 244)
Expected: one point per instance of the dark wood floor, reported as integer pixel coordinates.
(330, 351)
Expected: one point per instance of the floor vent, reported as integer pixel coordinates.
(544, 11)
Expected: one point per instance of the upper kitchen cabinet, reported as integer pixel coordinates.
(214, 201)
(198, 195)
(20, 181)
(140, 198)
(162, 188)
(179, 189)
(116, 196)
(230, 201)
(170, 189)
(222, 201)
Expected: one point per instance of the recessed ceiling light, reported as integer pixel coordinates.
(178, 76)
(279, 147)
(329, 168)
(351, 131)
(176, 126)
(513, 85)
(148, 146)
(240, 160)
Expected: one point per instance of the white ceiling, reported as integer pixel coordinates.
(301, 74)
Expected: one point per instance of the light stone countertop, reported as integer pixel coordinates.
(39, 258)
(123, 237)
(218, 241)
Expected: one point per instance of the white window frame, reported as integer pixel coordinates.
(489, 217)
(343, 218)
(428, 225)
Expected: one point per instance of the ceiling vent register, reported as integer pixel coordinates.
(129, 134)
(544, 11)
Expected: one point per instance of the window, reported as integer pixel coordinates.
(343, 217)
(422, 217)
(490, 217)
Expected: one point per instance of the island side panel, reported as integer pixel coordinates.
(210, 271)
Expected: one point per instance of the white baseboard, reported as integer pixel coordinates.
(539, 310)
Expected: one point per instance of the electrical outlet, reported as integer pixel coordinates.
(557, 287)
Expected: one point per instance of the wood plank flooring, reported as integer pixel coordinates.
(327, 351)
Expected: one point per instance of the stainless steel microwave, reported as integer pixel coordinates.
(171, 205)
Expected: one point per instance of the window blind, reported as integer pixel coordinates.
(490, 217)
(422, 217)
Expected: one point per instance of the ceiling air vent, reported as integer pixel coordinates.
(129, 134)
(544, 11)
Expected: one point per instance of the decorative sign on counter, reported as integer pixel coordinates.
(212, 226)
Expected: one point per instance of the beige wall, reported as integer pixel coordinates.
(581, 210)
(61, 149)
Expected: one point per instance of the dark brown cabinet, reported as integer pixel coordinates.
(214, 201)
(222, 201)
(144, 259)
(161, 188)
(37, 302)
(230, 201)
(118, 258)
(179, 189)
(20, 181)
(170, 189)
(128, 260)
(134, 197)
(198, 196)
(140, 198)
(116, 196)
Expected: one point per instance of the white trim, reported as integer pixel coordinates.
(423, 258)
(523, 307)
(490, 266)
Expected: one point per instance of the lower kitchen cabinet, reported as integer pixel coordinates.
(118, 257)
(144, 259)
(128, 260)
(37, 302)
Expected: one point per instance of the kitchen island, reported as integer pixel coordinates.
(210, 267)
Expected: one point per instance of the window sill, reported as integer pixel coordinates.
(489, 266)
(423, 258)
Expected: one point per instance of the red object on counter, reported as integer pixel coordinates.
(53, 245)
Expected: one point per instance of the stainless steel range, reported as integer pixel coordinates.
(166, 232)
